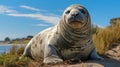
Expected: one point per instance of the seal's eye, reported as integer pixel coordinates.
(82, 11)
(67, 12)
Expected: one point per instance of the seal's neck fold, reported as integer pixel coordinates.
(72, 35)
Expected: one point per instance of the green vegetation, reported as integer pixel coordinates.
(11, 59)
(21, 40)
(7, 39)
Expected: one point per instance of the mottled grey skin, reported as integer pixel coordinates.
(70, 38)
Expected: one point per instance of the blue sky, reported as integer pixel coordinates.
(20, 18)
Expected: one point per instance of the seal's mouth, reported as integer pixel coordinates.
(75, 21)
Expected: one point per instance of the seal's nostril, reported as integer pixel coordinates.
(77, 14)
(74, 14)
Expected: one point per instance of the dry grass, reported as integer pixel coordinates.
(104, 38)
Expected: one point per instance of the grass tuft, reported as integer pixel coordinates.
(104, 38)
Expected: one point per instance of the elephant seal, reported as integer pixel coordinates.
(70, 38)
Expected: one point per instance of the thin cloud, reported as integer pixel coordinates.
(49, 17)
(37, 9)
(29, 7)
(46, 18)
(41, 25)
(100, 26)
(6, 9)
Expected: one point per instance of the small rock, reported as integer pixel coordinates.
(114, 53)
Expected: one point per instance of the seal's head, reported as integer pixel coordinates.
(76, 16)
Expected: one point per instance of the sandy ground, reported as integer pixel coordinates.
(107, 62)
(94, 63)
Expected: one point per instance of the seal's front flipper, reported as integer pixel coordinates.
(95, 56)
(26, 52)
(52, 59)
(51, 55)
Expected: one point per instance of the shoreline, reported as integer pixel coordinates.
(6, 44)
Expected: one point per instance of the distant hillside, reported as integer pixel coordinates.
(115, 20)
(24, 40)
(21, 40)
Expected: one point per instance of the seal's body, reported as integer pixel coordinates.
(70, 38)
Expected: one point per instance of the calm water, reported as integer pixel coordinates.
(5, 48)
